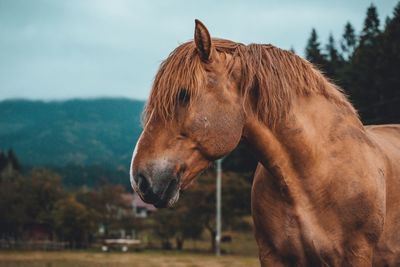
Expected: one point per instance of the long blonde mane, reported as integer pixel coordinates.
(270, 78)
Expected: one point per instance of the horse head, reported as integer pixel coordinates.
(194, 116)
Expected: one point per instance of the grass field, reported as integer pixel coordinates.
(135, 259)
(243, 244)
(242, 251)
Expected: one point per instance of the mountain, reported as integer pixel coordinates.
(81, 132)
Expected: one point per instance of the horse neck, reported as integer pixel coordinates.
(294, 149)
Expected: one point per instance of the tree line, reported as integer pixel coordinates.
(365, 64)
(35, 206)
(37, 203)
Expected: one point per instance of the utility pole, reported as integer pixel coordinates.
(218, 215)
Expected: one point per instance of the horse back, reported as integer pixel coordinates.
(387, 137)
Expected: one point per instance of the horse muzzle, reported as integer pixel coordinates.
(161, 190)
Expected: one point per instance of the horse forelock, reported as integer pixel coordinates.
(270, 79)
(182, 70)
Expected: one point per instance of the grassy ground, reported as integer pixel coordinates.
(242, 244)
(135, 259)
(242, 251)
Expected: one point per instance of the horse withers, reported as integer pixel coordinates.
(326, 189)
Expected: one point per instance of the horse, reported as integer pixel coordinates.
(326, 188)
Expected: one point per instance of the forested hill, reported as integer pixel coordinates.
(82, 132)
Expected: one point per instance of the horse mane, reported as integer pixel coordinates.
(270, 79)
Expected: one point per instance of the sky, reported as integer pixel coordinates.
(61, 49)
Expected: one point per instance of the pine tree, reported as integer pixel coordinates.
(388, 68)
(365, 85)
(313, 51)
(332, 52)
(334, 59)
(371, 27)
(387, 21)
(370, 66)
(349, 41)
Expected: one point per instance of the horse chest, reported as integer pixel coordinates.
(285, 236)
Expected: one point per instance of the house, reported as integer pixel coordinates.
(130, 205)
(140, 209)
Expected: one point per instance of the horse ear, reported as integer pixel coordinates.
(203, 41)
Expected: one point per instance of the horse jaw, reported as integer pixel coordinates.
(173, 200)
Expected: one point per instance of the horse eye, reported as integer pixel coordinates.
(183, 96)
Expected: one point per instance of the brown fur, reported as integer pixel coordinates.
(325, 192)
(282, 74)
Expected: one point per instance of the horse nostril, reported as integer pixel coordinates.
(143, 183)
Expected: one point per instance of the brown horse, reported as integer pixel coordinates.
(326, 190)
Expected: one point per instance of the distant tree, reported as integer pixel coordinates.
(387, 69)
(349, 41)
(13, 160)
(334, 62)
(28, 200)
(202, 202)
(371, 29)
(331, 50)
(236, 193)
(91, 200)
(348, 44)
(9, 164)
(41, 190)
(313, 51)
(3, 161)
(366, 89)
(166, 226)
(387, 21)
(106, 205)
(235, 201)
(240, 160)
(181, 222)
(73, 222)
(13, 214)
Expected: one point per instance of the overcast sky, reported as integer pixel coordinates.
(92, 48)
